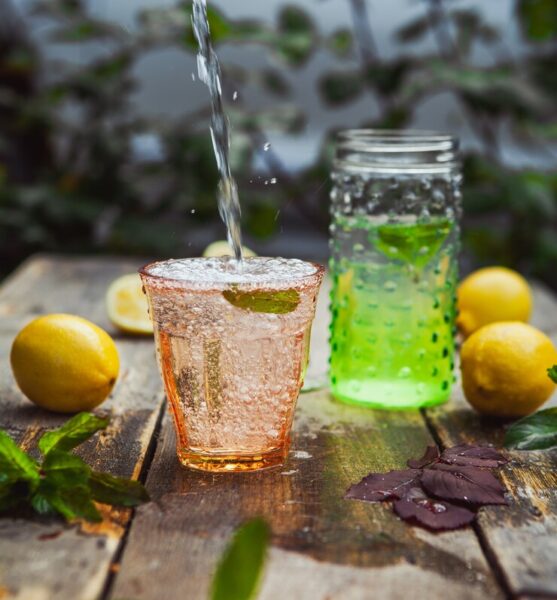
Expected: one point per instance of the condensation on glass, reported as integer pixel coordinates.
(396, 205)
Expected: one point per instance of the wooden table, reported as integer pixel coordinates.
(322, 546)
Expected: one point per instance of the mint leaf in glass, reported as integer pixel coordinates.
(277, 302)
(117, 491)
(415, 243)
(239, 571)
(72, 433)
(535, 432)
(552, 372)
(14, 463)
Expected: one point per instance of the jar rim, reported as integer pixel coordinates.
(396, 150)
(409, 140)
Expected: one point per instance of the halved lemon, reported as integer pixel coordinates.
(127, 306)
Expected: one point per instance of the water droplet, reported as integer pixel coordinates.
(193, 76)
(266, 146)
(235, 96)
(192, 211)
(273, 180)
(439, 508)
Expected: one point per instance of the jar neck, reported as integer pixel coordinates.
(393, 152)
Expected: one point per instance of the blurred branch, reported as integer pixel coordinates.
(484, 128)
(363, 32)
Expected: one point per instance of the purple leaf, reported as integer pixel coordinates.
(463, 484)
(431, 455)
(377, 487)
(433, 514)
(473, 456)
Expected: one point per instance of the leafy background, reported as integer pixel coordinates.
(71, 178)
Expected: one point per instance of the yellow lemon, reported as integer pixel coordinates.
(504, 369)
(222, 248)
(490, 295)
(64, 363)
(127, 306)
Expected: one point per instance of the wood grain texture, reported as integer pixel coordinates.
(323, 546)
(521, 538)
(41, 558)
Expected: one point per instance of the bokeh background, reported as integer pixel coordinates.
(104, 141)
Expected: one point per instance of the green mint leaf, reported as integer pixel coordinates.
(239, 571)
(278, 302)
(71, 502)
(535, 432)
(15, 464)
(552, 372)
(72, 433)
(117, 490)
(41, 504)
(65, 470)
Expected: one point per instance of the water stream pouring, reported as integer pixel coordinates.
(209, 72)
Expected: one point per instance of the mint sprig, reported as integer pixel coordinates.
(63, 483)
(552, 372)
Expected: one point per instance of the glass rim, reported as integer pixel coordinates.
(397, 140)
(397, 151)
(279, 283)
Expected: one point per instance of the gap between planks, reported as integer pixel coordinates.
(147, 461)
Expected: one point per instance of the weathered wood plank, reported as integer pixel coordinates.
(522, 538)
(323, 546)
(43, 559)
(46, 284)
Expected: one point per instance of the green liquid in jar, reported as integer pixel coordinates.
(393, 309)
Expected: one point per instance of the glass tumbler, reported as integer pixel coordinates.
(232, 346)
(396, 205)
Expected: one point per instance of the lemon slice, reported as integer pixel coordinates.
(222, 248)
(127, 306)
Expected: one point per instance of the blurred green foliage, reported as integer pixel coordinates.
(69, 180)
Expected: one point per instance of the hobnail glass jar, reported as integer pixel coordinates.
(395, 208)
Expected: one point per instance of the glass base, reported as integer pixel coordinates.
(232, 463)
(389, 395)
